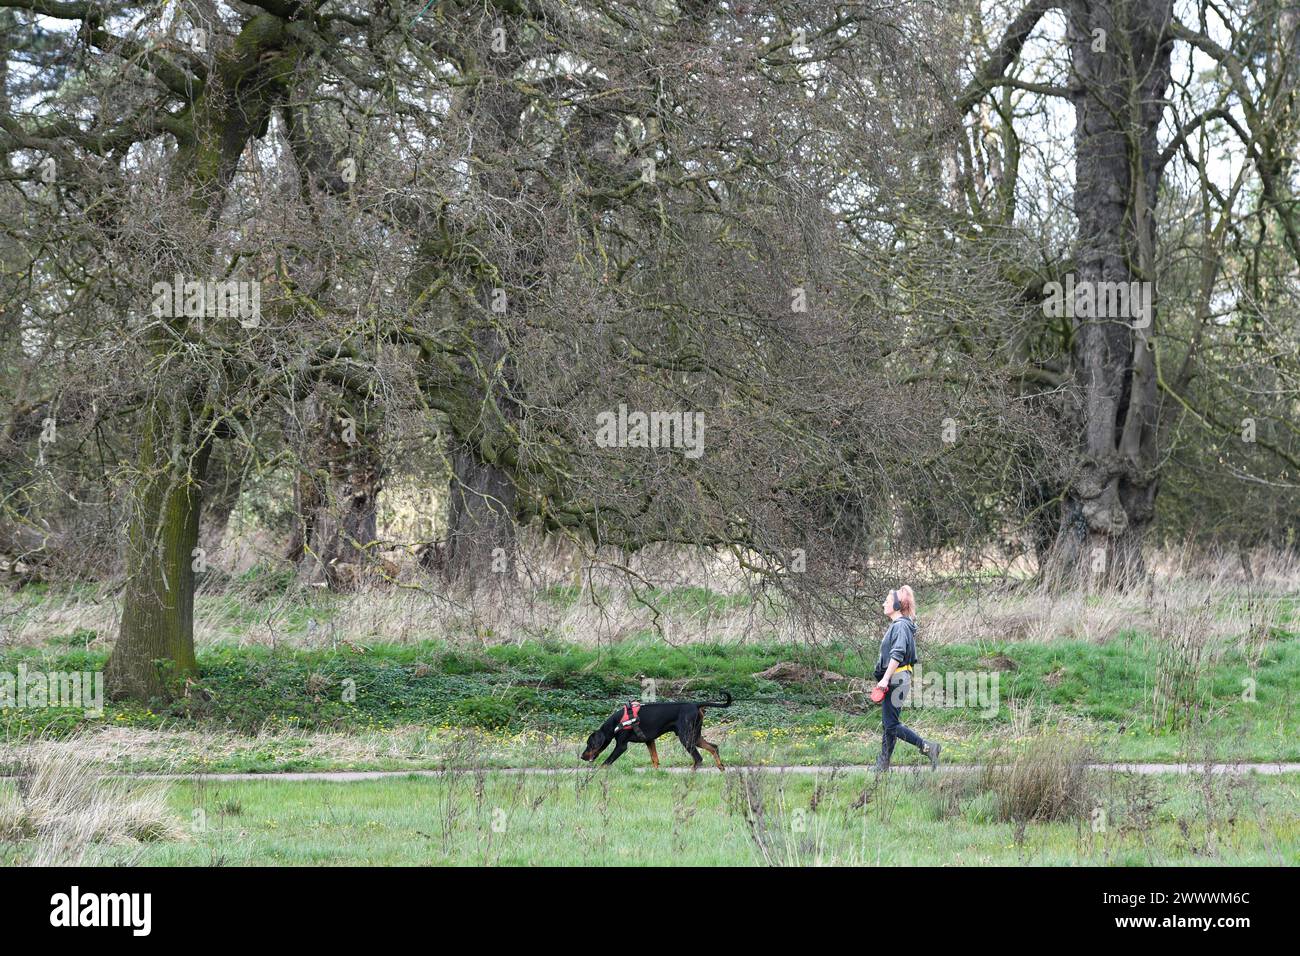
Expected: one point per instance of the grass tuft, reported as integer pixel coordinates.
(1047, 781)
(56, 808)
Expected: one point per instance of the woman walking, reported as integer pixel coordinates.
(894, 673)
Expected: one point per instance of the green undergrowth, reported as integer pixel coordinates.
(1242, 710)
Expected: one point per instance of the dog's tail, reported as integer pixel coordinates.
(717, 703)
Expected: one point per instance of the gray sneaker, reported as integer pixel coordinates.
(932, 751)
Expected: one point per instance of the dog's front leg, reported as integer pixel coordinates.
(619, 747)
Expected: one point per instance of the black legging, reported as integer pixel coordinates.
(900, 688)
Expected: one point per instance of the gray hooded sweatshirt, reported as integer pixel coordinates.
(899, 643)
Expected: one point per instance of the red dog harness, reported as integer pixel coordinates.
(631, 715)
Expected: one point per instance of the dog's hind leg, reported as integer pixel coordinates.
(713, 749)
(688, 736)
(654, 754)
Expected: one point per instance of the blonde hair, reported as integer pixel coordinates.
(906, 600)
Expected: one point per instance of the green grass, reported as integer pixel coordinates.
(625, 818)
(512, 695)
(436, 704)
(530, 703)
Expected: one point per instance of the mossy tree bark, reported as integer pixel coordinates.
(226, 110)
(155, 646)
(482, 549)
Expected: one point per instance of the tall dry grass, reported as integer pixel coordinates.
(1048, 780)
(55, 810)
(1247, 615)
(782, 832)
(1266, 568)
(571, 597)
(1182, 641)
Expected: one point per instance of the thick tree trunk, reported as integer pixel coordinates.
(339, 525)
(337, 500)
(221, 490)
(481, 547)
(481, 543)
(1120, 53)
(155, 646)
(244, 84)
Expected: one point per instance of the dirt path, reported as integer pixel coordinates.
(349, 776)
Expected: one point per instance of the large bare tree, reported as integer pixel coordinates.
(503, 225)
(1132, 371)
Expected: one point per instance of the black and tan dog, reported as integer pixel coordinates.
(653, 721)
